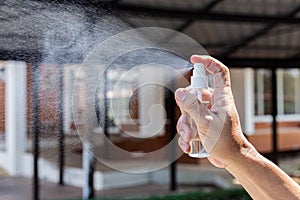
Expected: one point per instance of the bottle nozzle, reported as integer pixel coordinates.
(199, 78)
(199, 69)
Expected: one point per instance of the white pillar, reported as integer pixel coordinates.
(152, 114)
(242, 82)
(69, 76)
(297, 92)
(280, 93)
(15, 116)
(260, 92)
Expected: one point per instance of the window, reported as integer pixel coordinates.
(134, 101)
(119, 89)
(263, 93)
(291, 89)
(288, 89)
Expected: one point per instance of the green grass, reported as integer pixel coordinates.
(232, 194)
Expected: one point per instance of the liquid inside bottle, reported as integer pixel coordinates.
(199, 81)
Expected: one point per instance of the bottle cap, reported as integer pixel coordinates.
(199, 78)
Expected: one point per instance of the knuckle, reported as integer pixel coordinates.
(225, 70)
(178, 126)
(180, 123)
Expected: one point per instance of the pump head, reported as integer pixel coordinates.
(199, 78)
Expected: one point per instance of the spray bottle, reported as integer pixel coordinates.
(199, 81)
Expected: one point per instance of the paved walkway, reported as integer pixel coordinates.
(21, 189)
(18, 188)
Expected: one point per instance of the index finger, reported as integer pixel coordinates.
(219, 71)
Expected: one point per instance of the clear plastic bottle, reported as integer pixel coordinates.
(199, 81)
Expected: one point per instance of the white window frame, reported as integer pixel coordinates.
(260, 89)
(280, 99)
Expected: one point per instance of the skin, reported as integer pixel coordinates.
(218, 127)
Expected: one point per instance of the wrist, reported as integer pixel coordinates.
(245, 152)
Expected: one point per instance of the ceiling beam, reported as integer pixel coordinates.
(296, 55)
(84, 3)
(207, 8)
(256, 47)
(34, 57)
(21, 55)
(257, 63)
(244, 42)
(211, 5)
(185, 25)
(31, 56)
(210, 16)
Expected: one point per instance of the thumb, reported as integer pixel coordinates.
(189, 104)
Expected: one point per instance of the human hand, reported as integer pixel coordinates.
(218, 124)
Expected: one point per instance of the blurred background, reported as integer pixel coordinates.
(42, 47)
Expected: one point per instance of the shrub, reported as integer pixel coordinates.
(232, 194)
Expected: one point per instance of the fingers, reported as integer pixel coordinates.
(189, 103)
(185, 133)
(207, 97)
(184, 146)
(184, 129)
(216, 68)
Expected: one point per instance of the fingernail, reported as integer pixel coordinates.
(181, 94)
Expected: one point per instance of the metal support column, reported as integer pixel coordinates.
(170, 105)
(89, 168)
(105, 122)
(173, 177)
(36, 130)
(61, 139)
(91, 177)
(274, 157)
